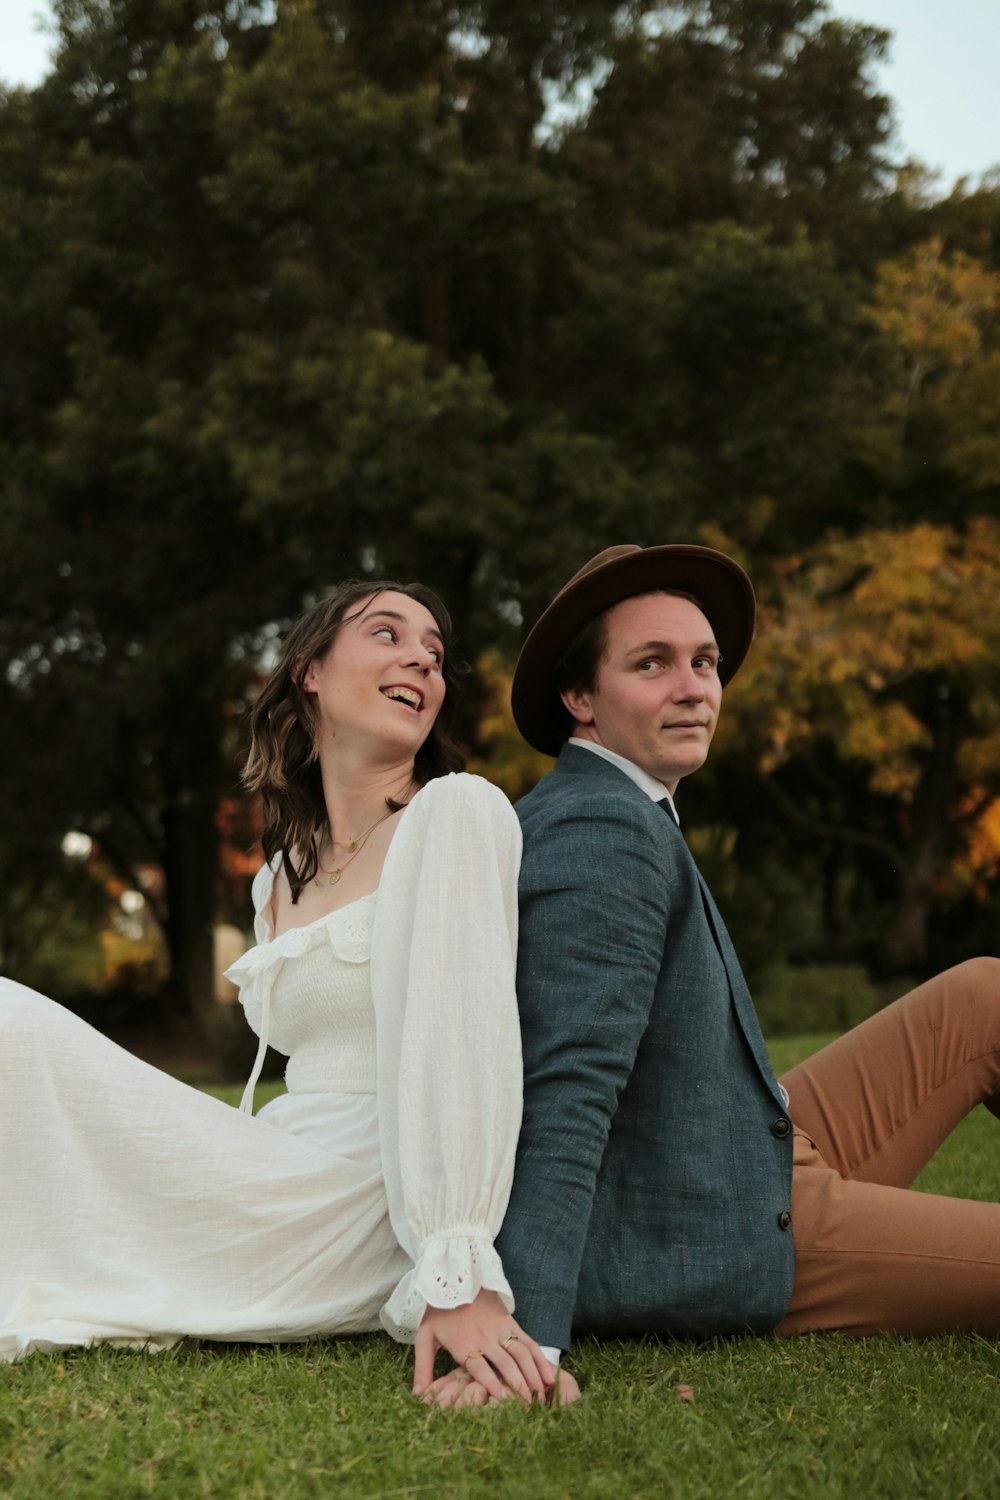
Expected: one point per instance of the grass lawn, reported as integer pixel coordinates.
(816, 1416)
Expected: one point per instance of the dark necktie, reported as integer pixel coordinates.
(664, 802)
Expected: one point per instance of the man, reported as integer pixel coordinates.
(665, 1182)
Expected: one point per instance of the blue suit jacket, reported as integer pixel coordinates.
(653, 1176)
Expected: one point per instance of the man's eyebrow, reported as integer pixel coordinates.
(670, 647)
(394, 614)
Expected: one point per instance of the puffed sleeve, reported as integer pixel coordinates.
(448, 1045)
(261, 892)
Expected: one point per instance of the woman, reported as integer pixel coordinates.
(140, 1210)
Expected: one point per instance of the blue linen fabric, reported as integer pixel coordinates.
(650, 1191)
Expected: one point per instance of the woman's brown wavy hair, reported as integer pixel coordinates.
(282, 763)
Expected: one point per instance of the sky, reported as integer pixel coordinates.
(941, 74)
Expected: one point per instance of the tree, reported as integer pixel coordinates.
(762, 111)
(212, 404)
(929, 435)
(728, 184)
(113, 526)
(869, 711)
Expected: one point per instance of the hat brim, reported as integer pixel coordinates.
(721, 587)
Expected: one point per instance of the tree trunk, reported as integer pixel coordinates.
(903, 947)
(437, 330)
(191, 765)
(836, 927)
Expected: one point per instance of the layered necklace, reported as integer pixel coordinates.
(354, 848)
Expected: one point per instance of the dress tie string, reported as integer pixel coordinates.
(246, 1103)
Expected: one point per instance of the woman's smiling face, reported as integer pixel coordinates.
(380, 685)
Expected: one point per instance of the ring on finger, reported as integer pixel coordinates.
(473, 1354)
(511, 1338)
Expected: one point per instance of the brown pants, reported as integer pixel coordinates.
(869, 1111)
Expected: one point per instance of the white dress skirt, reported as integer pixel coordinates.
(139, 1211)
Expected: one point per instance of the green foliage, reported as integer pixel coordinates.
(757, 109)
(813, 997)
(51, 910)
(772, 908)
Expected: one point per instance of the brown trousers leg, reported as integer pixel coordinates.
(869, 1111)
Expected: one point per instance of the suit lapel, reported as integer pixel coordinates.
(742, 1003)
(583, 762)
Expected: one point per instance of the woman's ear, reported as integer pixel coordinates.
(307, 679)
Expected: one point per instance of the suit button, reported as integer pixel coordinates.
(780, 1129)
(784, 1219)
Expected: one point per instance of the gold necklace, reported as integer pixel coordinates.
(354, 848)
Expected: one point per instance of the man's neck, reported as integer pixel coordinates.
(654, 789)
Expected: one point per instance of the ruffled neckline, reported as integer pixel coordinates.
(262, 906)
(316, 923)
(347, 929)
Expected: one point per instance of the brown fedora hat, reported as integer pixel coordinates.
(720, 585)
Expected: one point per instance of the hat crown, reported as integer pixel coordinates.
(609, 555)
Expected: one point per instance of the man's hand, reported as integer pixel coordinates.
(485, 1341)
(565, 1391)
(456, 1389)
(459, 1389)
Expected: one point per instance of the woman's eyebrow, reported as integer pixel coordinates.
(394, 614)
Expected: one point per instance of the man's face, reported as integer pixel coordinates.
(657, 694)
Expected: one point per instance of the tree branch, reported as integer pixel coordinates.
(835, 831)
(124, 867)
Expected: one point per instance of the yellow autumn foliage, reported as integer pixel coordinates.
(504, 757)
(862, 633)
(936, 400)
(935, 307)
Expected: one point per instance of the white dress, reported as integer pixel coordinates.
(138, 1210)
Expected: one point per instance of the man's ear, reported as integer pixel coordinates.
(578, 705)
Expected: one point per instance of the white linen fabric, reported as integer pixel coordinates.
(138, 1210)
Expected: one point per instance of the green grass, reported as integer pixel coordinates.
(816, 1416)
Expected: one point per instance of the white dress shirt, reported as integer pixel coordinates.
(646, 783)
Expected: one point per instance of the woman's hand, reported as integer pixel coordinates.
(490, 1347)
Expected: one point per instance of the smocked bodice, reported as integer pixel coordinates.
(312, 987)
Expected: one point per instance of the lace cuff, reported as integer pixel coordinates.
(451, 1270)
